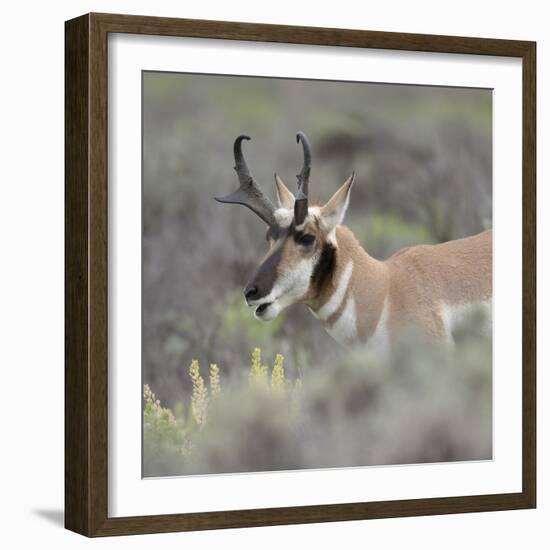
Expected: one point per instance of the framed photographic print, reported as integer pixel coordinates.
(358, 341)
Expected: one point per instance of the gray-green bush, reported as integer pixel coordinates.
(425, 402)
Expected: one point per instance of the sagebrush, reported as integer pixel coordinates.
(422, 403)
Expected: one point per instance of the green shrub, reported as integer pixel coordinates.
(169, 441)
(424, 402)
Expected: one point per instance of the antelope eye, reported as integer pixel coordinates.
(306, 240)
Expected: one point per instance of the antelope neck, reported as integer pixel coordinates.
(357, 284)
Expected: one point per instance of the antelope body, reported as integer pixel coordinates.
(314, 259)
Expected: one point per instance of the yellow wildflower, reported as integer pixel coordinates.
(199, 397)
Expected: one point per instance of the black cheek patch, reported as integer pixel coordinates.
(324, 267)
(266, 274)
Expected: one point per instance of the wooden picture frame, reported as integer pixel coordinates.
(86, 283)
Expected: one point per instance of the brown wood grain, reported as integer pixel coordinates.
(77, 460)
(529, 275)
(86, 274)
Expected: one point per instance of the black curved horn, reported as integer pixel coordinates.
(303, 176)
(249, 193)
(301, 203)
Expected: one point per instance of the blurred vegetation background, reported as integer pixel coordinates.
(423, 160)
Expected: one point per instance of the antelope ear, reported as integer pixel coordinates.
(285, 198)
(333, 212)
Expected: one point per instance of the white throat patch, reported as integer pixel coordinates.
(344, 329)
(337, 298)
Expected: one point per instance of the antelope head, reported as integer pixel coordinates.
(301, 238)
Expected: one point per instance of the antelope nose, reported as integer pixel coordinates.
(250, 292)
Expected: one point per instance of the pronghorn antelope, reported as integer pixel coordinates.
(313, 259)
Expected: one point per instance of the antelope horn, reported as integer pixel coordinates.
(249, 193)
(301, 203)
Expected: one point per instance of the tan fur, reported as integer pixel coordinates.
(414, 283)
(368, 273)
(425, 277)
(292, 254)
